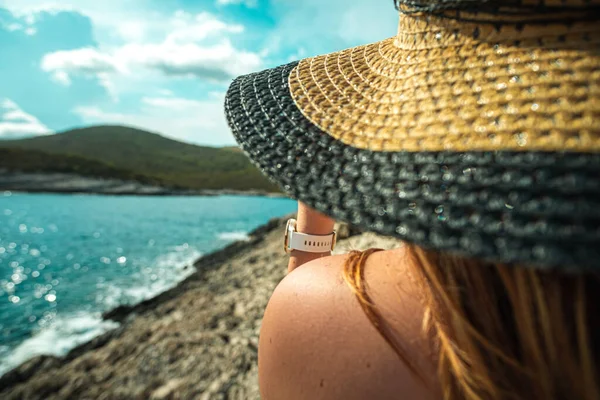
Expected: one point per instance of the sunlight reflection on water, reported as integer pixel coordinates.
(78, 256)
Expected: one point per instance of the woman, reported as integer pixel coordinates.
(473, 136)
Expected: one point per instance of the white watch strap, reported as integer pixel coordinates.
(310, 243)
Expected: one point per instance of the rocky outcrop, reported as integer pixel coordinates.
(56, 182)
(196, 341)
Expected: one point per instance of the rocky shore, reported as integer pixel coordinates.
(196, 341)
(33, 182)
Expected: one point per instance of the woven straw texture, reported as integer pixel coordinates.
(447, 85)
(459, 148)
(501, 11)
(529, 207)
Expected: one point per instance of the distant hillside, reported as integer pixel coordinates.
(128, 153)
(16, 159)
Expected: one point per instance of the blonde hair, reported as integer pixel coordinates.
(500, 331)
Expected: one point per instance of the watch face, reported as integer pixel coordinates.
(289, 227)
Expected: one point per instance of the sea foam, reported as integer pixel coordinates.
(68, 331)
(233, 236)
(65, 333)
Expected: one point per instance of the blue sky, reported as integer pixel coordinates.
(161, 65)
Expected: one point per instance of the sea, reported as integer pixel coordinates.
(66, 259)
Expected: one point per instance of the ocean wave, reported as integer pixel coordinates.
(65, 333)
(166, 271)
(233, 236)
(70, 330)
(170, 269)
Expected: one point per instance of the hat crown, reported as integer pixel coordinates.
(504, 11)
(427, 24)
(497, 6)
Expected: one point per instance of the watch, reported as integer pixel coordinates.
(295, 240)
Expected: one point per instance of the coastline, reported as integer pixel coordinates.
(196, 340)
(67, 183)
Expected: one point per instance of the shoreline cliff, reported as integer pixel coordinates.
(68, 183)
(198, 340)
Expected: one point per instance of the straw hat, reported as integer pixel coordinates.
(475, 130)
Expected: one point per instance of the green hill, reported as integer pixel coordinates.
(16, 159)
(128, 153)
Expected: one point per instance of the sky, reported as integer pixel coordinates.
(159, 65)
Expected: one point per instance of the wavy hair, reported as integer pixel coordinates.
(500, 331)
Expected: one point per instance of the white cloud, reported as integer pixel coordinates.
(166, 92)
(219, 62)
(61, 77)
(194, 121)
(215, 63)
(106, 82)
(15, 123)
(178, 54)
(31, 18)
(132, 31)
(21, 22)
(86, 60)
(113, 21)
(248, 3)
(14, 27)
(194, 28)
(106, 13)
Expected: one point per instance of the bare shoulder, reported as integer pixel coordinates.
(317, 343)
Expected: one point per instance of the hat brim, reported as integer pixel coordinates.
(493, 153)
(536, 93)
(486, 204)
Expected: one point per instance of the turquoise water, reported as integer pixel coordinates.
(66, 259)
